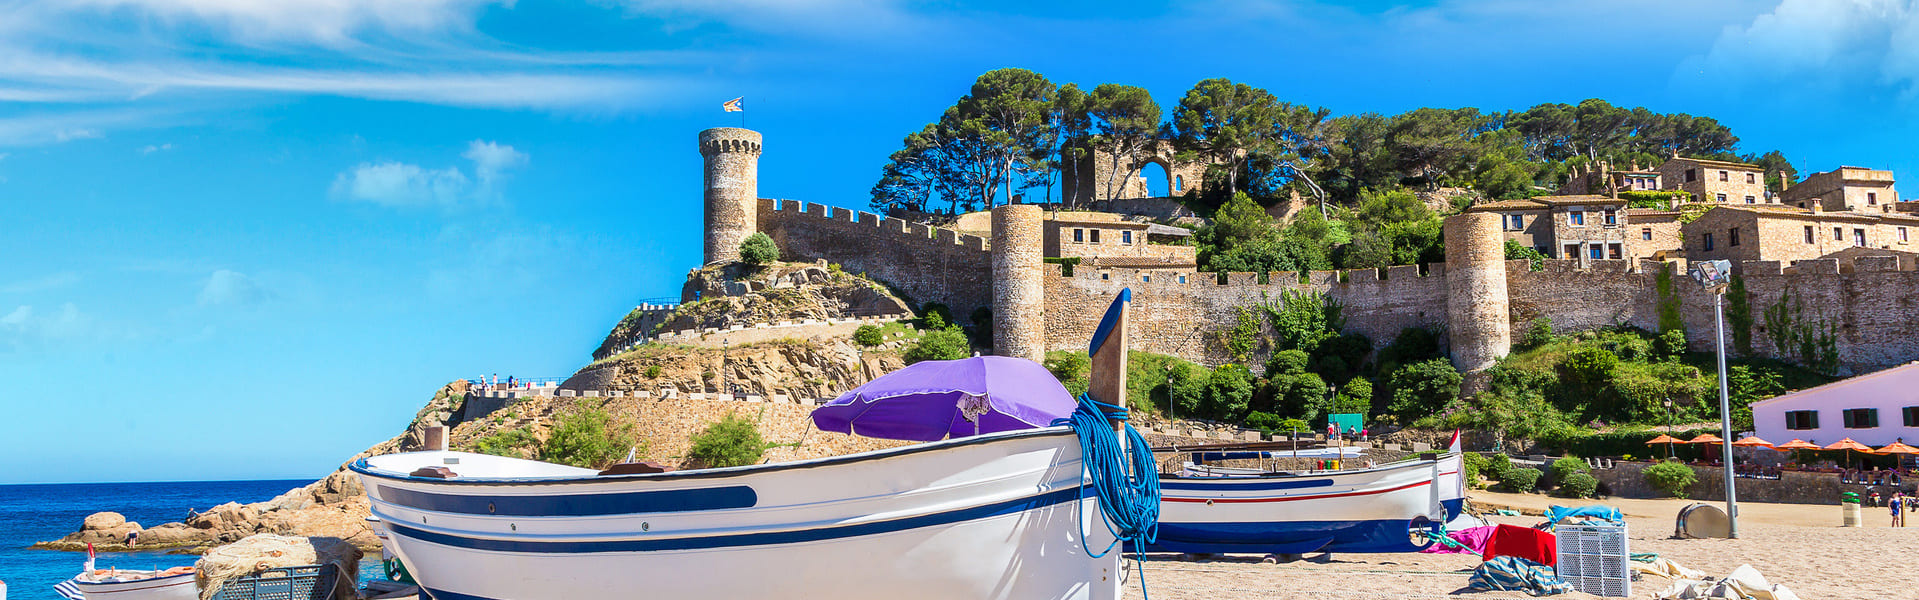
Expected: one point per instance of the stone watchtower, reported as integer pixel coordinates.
(732, 189)
(1476, 307)
(1019, 285)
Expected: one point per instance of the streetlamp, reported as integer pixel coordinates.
(1669, 426)
(1714, 276)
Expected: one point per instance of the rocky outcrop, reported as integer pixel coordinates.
(335, 506)
(736, 294)
(795, 368)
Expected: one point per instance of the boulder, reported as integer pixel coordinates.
(103, 520)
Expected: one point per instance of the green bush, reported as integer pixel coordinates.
(1578, 485)
(1356, 397)
(1072, 369)
(731, 442)
(1423, 388)
(653, 371)
(588, 437)
(1589, 367)
(1670, 344)
(1473, 463)
(506, 443)
(1520, 479)
(1413, 344)
(758, 250)
(1539, 334)
(938, 344)
(1498, 466)
(1287, 362)
(1670, 477)
(869, 335)
(1567, 466)
(1264, 421)
(1228, 392)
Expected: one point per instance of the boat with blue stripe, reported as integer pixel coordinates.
(1215, 510)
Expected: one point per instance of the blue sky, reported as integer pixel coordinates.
(249, 239)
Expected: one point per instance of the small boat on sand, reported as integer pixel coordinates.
(128, 584)
(1215, 510)
(1009, 513)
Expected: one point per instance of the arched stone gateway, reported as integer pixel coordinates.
(1107, 179)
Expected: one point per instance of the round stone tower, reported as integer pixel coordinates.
(1476, 307)
(1019, 287)
(732, 189)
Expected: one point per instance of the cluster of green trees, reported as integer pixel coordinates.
(1384, 228)
(1016, 131)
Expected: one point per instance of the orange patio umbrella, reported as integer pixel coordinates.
(1796, 444)
(1849, 446)
(1898, 448)
(1752, 440)
(1706, 438)
(1667, 440)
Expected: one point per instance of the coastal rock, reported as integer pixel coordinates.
(103, 520)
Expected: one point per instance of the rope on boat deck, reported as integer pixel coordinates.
(1125, 478)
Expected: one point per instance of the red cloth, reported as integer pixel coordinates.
(1522, 542)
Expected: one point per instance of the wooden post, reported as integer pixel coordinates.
(1107, 381)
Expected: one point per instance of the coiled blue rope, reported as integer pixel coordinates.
(1125, 478)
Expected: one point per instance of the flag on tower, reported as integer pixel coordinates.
(732, 105)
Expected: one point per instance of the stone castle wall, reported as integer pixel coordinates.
(926, 264)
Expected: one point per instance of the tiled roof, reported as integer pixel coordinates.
(1507, 205)
(1582, 199)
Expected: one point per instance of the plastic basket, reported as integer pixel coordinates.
(311, 582)
(1593, 559)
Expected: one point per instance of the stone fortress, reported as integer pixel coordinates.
(1476, 300)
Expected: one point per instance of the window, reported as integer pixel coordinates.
(1872, 197)
(1720, 198)
(1596, 251)
(1614, 251)
(1146, 278)
(1645, 233)
(1858, 237)
(1095, 236)
(1912, 415)
(1517, 222)
(1723, 176)
(1808, 234)
(1612, 217)
(1902, 235)
(1802, 419)
(1692, 175)
(1105, 276)
(1708, 242)
(1179, 183)
(1577, 218)
(1126, 237)
(1182, 278)
(1860, 418)
(1732, 236)
(1838, 234)
(1749, 200)
(1749, 177)
(1572, 251)
(1079, 235)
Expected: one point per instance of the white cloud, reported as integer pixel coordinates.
(26, 327)
(40, 284)
(150, 148)
(400, 184)
(1817, 46)
(67, 135)
(231, 288)
(324, 21)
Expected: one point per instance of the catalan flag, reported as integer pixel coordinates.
(732, 105)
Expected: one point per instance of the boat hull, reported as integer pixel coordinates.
(999, 516)
(1368, 510)
(173, 587)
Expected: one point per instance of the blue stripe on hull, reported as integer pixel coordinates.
(749, 539)
(1291, 537)
(576, 505)
(1453, 507)
(1242, 485)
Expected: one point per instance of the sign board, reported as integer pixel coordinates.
(1347, 421)
(1714, 275)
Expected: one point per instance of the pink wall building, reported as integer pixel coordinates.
(1874, 409)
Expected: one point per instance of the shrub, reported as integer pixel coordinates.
(1287, 362)
(758, 250)
(1414, 344)
(1302, 395)
(1266, 421)
(1567, 466)
(1498, 466)
(1670, 477)
(1520, 479)
(653, 371)
(1539, 334)
(1423, 388)
(1671, 344)
(731, 442)
(1072, 369)
(1578, 485)
(938, 344)
(1589, 367)
(1228, 392)
(868, 335)
(1355, 398)
(588, 437)
(1473, 463)
(506, 443)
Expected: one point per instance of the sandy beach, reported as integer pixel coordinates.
(1801, 546)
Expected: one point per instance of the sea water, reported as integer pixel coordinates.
(44, 512)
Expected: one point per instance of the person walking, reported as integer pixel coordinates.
(1897, 502)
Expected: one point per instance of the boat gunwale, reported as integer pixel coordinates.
(361, 467)
(78, 581)
(1398, 464)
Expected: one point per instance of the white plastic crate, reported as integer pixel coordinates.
(1595, 559)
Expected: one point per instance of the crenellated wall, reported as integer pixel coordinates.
(928, 264)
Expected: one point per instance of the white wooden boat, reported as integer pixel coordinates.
(1227, 510)
(995, 516)
(121, 584)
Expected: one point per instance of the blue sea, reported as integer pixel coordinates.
(41, 512)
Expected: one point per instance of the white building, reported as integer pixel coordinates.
(1874, 409)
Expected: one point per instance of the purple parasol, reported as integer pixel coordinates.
(931, 400)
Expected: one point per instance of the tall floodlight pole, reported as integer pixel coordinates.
(1714, 275)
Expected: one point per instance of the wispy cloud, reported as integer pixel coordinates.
(40, 284)
(25, 327)
(150, 148)
(1853, 48)
(325, 21)
(231, 288)
(401, 185)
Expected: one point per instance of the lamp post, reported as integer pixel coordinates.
(1714, 275)
(1669, 427)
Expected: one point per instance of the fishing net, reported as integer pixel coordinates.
(258, 553)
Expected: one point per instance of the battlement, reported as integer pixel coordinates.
(729, 139)
(918, 234)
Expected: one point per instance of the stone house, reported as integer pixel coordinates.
(1851, 189)
(1612, 182)
(1787, 234)
(1568, 227)
(1106, 240)
(1715, 181)
(1653, 233)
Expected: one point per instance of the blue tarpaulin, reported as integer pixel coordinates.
(1601, 512)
